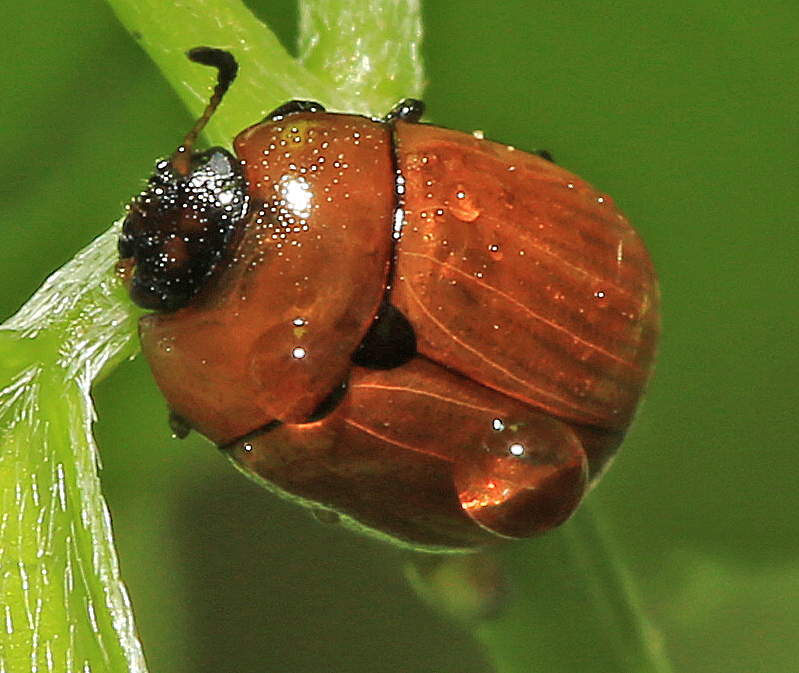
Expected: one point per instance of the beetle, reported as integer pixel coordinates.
(437, 337)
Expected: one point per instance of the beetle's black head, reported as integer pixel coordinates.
(179, 227)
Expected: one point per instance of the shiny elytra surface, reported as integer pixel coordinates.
(522, 276)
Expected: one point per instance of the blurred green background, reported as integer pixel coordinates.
(686, 112)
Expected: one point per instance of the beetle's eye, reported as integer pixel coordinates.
(177, 230)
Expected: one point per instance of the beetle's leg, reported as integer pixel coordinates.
(293, 107)
(407, 110)
(178, 425)
(544, 154)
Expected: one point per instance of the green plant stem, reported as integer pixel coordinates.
(268, 74)
(355, 56)
(356, 47)
(574, 608)
(65, 607)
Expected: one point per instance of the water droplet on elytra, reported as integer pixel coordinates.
(495, 253)
(602, 299)
(523, 477)
(463, 206)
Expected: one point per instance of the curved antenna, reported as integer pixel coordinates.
(227, 68)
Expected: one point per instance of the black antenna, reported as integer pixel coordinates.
(227, 68)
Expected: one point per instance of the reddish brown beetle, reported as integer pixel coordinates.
(438, 337)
